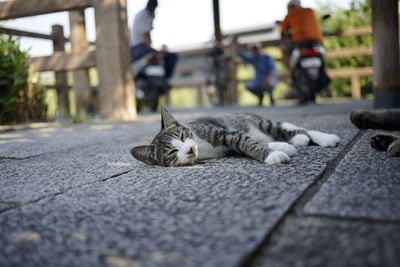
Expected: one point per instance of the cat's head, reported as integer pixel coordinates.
(172, 146)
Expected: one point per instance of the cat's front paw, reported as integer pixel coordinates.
(284, 147)
(324, 139)
(277, 157)
(300, 140)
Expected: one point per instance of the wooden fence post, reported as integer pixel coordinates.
(234, 49)
(61, 76)
(200, 95)
(355, 87)
(385, 58)
(79, 44)
(116, 88)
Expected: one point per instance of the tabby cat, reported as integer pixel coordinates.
(386, 119)
(237, 134)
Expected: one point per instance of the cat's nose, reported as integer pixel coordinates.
(192, 151)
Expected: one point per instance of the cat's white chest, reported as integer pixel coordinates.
(206, 150)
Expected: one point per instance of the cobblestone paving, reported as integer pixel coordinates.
(73, 196)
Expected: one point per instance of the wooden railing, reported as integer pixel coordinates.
(116, 89)
(353, 73)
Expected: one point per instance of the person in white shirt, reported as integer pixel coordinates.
(141, 38)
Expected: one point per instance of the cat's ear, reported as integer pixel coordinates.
(146, 154)
(166, 118)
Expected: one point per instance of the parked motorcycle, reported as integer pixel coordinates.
(308, 70)
(149, 76)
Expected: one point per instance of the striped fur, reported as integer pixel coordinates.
(234, 134)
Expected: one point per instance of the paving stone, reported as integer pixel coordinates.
(326, 242)
(23, 144)
(202, 215)
(365, 184)
(38, 177)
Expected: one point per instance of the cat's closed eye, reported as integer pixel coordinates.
(172, 151)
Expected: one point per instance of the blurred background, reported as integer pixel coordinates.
(186, 27)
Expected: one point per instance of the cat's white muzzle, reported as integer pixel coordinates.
(187, 151)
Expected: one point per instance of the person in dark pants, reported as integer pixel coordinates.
(266, 75)
(141, 39)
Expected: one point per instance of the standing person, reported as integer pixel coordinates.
(266, 75)
(141, 38)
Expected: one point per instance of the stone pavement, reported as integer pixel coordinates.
(73, 196)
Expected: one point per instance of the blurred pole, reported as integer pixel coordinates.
(217, 25)
(385, 58)
(80, 44)
(61, 76)
(233, 86)
(218, 58)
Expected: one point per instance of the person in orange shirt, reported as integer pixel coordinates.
(301, 25)
(303, 28)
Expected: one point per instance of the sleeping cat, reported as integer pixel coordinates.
(237, 134)
(386, 119)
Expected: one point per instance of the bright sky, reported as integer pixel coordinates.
(178, 22)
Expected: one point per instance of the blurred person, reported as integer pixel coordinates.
(141, 38)
(265, 78)
(299, 26)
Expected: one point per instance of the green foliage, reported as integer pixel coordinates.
(20, 101)
(13, 77)
(359, 14)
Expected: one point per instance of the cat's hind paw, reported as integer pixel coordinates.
(381, 141)
(324, 139)
(277, 157)
(284, 147)
(386, 142)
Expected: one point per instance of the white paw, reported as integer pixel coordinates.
(277, 157)
(324, 139)
(300, 140)
(284, 147)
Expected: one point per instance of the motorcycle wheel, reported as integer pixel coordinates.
(305, 86)
(300, 85)
(154, 104)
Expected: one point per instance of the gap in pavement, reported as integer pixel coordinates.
(296, 209)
